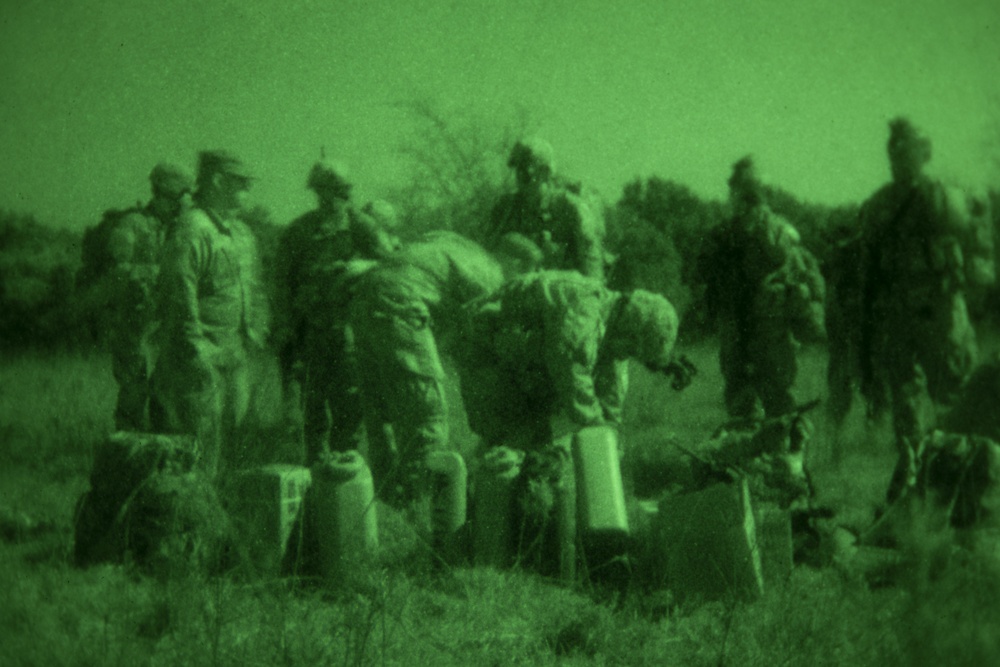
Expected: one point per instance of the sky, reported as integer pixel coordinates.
(93, 93)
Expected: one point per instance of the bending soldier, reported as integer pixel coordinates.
(553, 346)
(556, 343)
(405, 312)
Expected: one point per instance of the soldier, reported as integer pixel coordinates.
(552, 347)
(922, 250)
(766, 293)
(403, 312)
(212, 313)
(120, 265)
(565, 223)
(316, 350)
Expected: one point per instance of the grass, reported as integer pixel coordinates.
(55, 409)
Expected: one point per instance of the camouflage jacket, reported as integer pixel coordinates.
(117, 282)
(426, 283)
(548, 330)
(313, 255)
(923, 242)
(759, 277)
(567, 226)
(210, 298)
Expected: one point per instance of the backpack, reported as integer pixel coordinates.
(95, 254)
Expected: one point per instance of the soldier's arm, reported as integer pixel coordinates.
(611, 385)
(185, 258)
(868, 270)
(122, 240)
(587, 230)
(259, 317)
(369, 237)
(572, 340)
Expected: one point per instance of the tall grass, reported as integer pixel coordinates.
(54, 409)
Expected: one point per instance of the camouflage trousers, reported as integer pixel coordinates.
(129, 365)
(331, 401)
(207, 401)
(927, 354)
(759, 372)
(403, 394)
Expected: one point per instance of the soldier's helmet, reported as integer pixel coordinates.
(383, 213)
(905, 138)
(745, 183)
(649, 322)
(170, 180)
(221, 161)
(518, 254)
(744, 173)
(330, 177)
(534, 153)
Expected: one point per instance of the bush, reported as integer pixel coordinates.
(36, 284)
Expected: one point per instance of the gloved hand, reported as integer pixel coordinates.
(682, 370)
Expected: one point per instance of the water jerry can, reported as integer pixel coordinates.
(343, 516)
(493, 542)
(706, 544)
(266, 509)
(600, 496)
(449, 484)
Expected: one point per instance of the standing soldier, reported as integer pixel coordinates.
(766, 292)
(212, 313)
(923, 248)
(121, 259)
(316, 350)
(567, 225)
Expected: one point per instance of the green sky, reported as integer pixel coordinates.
(93, 93)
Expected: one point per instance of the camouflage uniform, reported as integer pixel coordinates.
(122, 291)
(403, 311)
(212, 311)
(317, 355)
(556, 342)
(765, 291)
(916, 330)
(560, 218)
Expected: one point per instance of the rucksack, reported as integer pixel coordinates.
(95, 253)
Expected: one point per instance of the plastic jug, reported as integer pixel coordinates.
(343, 516)
(493, 542)
(449, 484)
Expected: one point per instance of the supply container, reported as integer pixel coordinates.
(343, 519)
(603, 518)
(566, 523)
(705, 544)
(645, 552)
(494, 511)
(123, 462)
(449, 488)
(266, 509)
